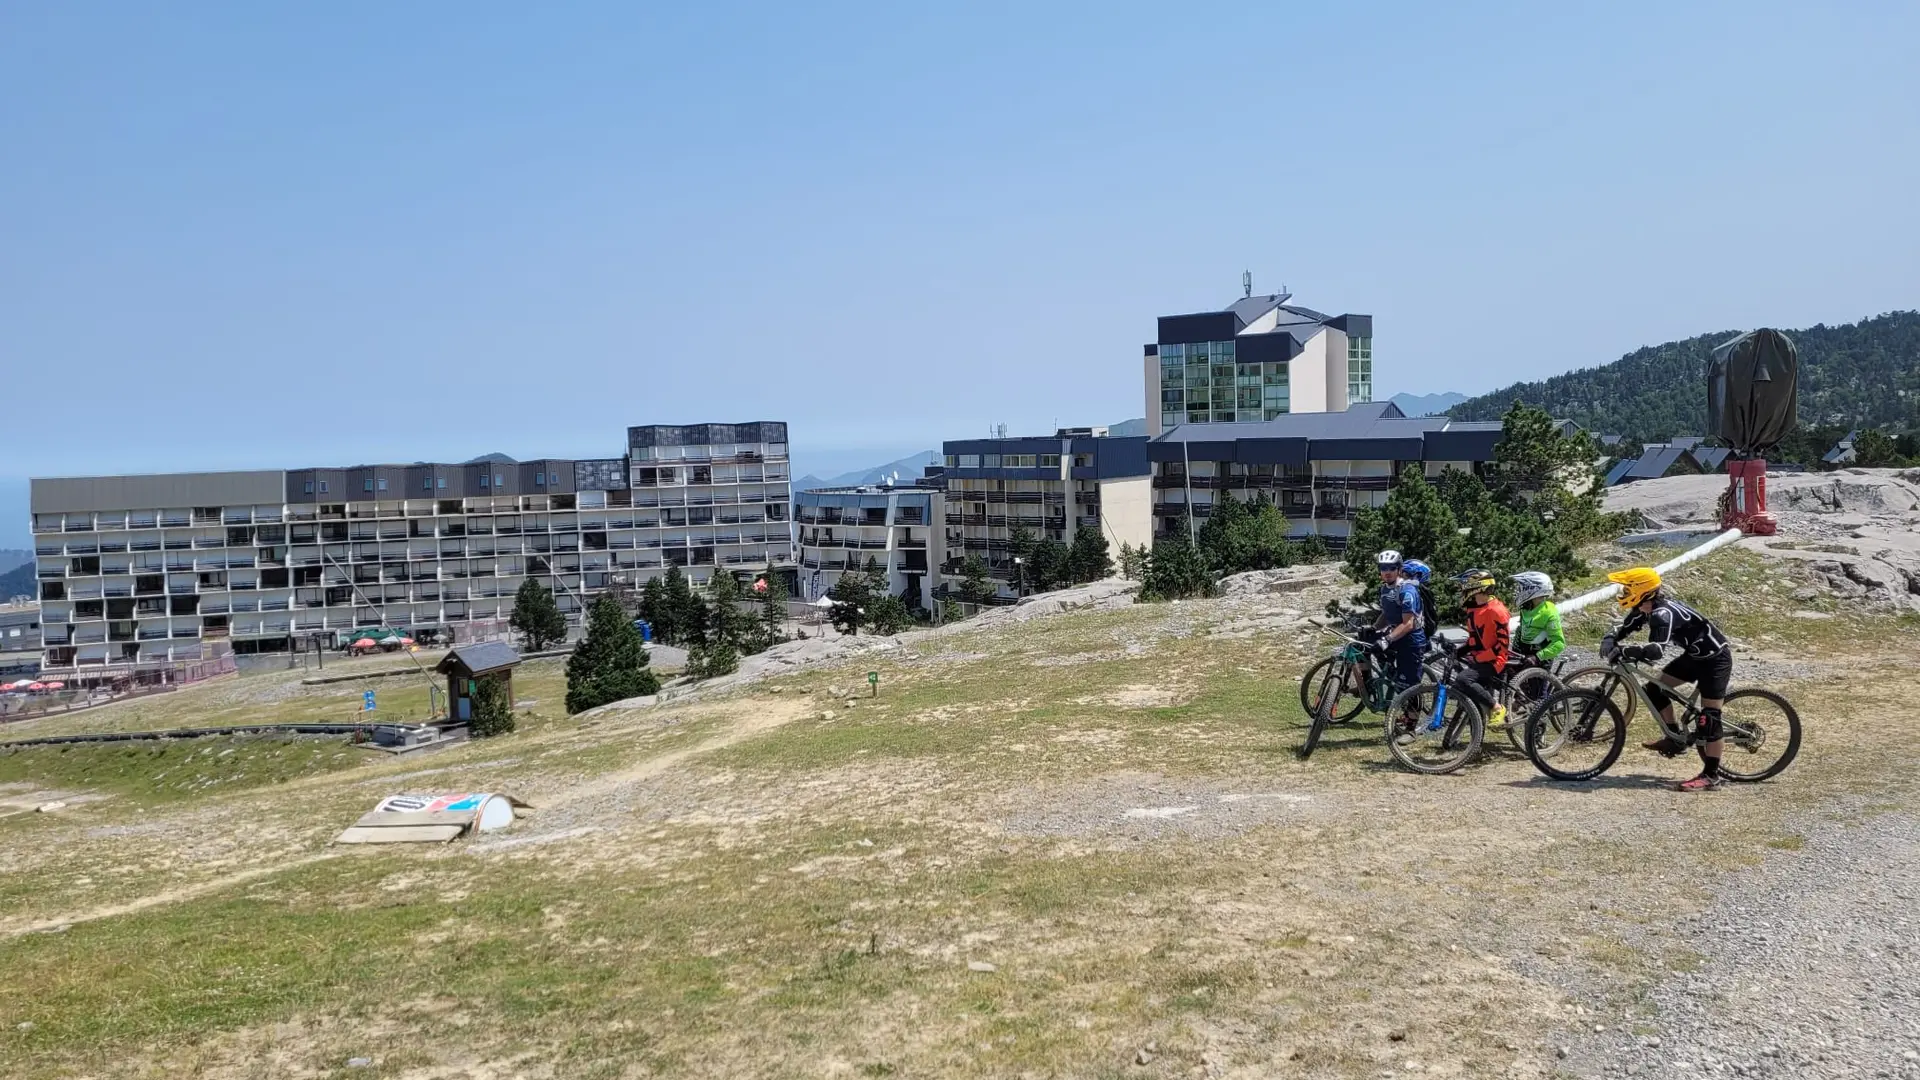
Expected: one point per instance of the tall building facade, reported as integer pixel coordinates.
(156, 569)
(897, 528)
(1258, 359)
(1320, 469)
(1080, 478)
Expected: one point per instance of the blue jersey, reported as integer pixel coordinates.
(1397, 601)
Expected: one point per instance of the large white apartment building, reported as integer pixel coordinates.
(156, 569)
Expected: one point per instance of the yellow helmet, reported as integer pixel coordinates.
(1636, 584)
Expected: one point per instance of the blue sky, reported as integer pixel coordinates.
(240, 235)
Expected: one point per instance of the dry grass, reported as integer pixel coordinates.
(1105, 808)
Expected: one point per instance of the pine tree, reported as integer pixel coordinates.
(1133, 562)
(492, 712)
(1175, 569)
(727, 625)
(654, 608)
(1087, 558)
(851, 594)
(685, 616)
(1873, 449)
(888, 615)
(609, 663)
(773, 607)
(976, 583)
(1414, 521)
(537, 617)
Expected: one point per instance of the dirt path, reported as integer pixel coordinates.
(764, 717)
(166, 896)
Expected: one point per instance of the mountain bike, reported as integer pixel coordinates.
(1577, 733)
(1355, 677)
(1441, 724)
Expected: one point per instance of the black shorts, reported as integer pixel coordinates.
(1711, 674)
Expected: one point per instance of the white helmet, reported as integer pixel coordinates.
(1387, 560)
(1531, 585)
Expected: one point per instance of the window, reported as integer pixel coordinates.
(969, 461)
(440, 482)
(990, 461)
(483, 480)
(323, 487)
(426, 483)
(953, 461)
(499, 481)
(1049, 461)
(381, 483)
(539, 479)
(308, 488)
(367, 484)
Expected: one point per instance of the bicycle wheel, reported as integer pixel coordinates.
(1567, 731)
(1311, 689)
(1527, 689)
(1317, 724)
(1608, 681)
(1429, 738)
(1762, 735)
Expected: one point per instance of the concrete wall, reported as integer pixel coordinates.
(1333, 345)
(1126, 511)
(1154, 408)
(1307, 378)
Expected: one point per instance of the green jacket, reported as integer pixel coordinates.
(1540, 632)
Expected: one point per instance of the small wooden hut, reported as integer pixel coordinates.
(469, 665)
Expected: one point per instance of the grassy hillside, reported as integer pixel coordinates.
(1861, 374)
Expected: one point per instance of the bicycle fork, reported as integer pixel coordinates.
(1438, 718)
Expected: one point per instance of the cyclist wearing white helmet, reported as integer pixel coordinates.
(1403, 633)
(1541, 637)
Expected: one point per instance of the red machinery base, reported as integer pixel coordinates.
(1745, 507)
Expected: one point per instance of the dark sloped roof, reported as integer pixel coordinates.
(1618, 472)
(1710, 457)
(481, 657)
(1685, 442)
(1655, 463)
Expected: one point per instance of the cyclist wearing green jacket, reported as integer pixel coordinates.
(1541, 638)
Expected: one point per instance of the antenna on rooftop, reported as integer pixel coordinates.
(1246, 283)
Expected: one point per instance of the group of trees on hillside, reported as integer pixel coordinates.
(1864, 374)
(1237, 536)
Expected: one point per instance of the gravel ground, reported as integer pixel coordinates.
(1812, 969)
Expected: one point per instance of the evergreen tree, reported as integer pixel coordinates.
(1133, 562)
(492, 712)
(1873, 449)
(537, 617)
(655, 609)
(1175, 569)
(1046, 566)
(888, 615)
(1313, 549)
(1087, 558)
(773, 606)
(976, 583)
(851, 595)
(727, 626)
(685, 615)
(1414, 521)
(609, 663)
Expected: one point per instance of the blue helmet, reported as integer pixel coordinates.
(1416, 570)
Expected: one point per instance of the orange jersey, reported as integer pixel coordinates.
(1488, 633)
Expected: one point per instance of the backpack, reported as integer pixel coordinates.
(1430, 623)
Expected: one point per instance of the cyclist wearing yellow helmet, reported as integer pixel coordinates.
(1705, 659)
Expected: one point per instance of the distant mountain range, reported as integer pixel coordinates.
(908, 469)
(18, 581)
(12, 557)
(1427, 404)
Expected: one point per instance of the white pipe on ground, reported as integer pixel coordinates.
(1610, 590)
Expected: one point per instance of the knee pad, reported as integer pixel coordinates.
(1657, 694)
(1710, 728)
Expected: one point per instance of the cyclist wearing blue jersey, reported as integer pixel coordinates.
(1402, 626)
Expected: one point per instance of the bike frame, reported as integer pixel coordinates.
(1687, 703)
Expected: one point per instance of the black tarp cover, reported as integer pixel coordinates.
(1753, 395)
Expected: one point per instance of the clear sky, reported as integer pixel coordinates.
(259, 235)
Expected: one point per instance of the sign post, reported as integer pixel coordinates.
(873, 680)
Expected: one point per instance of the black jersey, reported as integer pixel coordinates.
(1674, 623)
